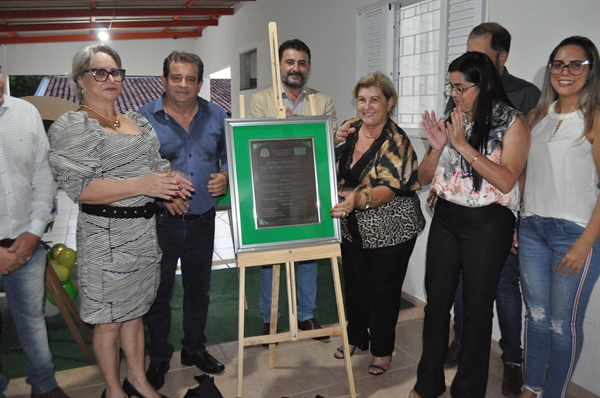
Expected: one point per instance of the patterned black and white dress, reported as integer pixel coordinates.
(118, 259)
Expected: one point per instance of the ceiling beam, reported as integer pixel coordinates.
(115, 25)
(94, 1)
(117, 13)
(94, 38)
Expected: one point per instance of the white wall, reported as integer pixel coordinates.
(537, 27)
(139, 57)
(327, 27)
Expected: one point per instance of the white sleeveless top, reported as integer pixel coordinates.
(562, 181)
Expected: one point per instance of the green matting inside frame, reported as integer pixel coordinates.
(242, 136)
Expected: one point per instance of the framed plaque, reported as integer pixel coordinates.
(282, 182)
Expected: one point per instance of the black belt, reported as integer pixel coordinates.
(146, 211)
(7, 242)
(184, 216)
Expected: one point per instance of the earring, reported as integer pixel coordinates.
(84, 91)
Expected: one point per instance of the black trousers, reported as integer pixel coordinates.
(474, 241)
(373, 286)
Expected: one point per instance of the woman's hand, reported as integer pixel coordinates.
(342, 132)
(346, 206)
(166, 185)
(456, 130)
(572, 261)
(435, 131)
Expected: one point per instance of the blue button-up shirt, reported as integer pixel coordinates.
(197, 153)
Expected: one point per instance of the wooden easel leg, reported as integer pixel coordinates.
(67, 310)
(274, 311)
(342, 317)
(230, 217)
(292, 304)
(241, 301)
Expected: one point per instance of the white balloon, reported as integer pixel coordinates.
(50, 309)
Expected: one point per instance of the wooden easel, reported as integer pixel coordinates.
(288, 257)
(67, 310)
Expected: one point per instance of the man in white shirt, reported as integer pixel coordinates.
(27, 192)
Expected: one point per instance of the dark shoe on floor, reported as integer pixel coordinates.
(266, 331)
(131, 391)
(377, 370)
(56, 392)
(311, 324)
(339, 353)
(203, 360)
(413, 394)
(512, 380)
(453, 354)
(156, 373)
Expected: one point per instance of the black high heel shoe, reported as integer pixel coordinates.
(339, 353)
(131, 391)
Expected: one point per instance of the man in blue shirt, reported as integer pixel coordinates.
(192, 137)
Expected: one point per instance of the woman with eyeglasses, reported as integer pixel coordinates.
(109, 163)
(560, 221)
(476, 154)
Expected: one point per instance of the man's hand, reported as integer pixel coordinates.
(24, 247)
(8, 261)
(177, 206)
(288, 112)
(218, 184)
(515, 244)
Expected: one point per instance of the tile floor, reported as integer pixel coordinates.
(303, 369)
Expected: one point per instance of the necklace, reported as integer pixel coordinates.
(116, 122)
(372, 137)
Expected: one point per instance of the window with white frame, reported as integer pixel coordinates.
(413, 42)
(418, 60)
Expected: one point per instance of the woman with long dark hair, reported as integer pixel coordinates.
(476, 155)
(560, 221)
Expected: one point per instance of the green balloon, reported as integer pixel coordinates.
(70, 288)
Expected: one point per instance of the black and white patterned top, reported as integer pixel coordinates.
(118, 259)
(392, 162)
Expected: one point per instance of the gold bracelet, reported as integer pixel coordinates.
(368, 199)
(474, 159)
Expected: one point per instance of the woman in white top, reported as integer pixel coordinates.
(560, 225)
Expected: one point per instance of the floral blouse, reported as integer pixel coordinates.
(455, 184)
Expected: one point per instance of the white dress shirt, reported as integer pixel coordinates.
(27, 189)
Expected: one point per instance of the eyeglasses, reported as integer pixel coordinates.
(575, 67)
(101, 75)
(459, 89)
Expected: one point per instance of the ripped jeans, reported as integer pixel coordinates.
(556, 304)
